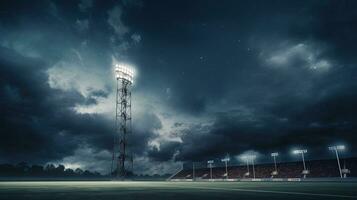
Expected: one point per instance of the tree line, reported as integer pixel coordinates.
(22, 169)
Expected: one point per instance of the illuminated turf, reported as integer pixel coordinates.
(176, 190)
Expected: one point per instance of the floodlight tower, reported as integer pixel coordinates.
(247, 161)
(252, 158)
(210, 162)
(336, 149)
(193, 171)
(226, 160)
(302, 152)
(124, 78)
(274, 155)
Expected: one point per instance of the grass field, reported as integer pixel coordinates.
(176, 190)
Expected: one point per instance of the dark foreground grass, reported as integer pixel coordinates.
(106, 190)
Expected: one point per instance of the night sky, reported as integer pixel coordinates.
(212, 77)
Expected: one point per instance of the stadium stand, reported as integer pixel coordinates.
(317, 168)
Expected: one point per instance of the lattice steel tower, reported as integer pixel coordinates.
(122, 161)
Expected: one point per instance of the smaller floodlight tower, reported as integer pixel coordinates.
(274, 155)
(249, 158)
(252, 158)
(226, 160)
(336, 149)
(210, 162)
(124, 76)
(245, 158)
(193, 171)
(302, 152)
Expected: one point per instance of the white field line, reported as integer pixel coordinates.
(269, 191)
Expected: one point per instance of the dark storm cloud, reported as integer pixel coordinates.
(201, 55)
(39, 123)
(215, 56)
(166, 151)
(26, 104)
(229, 76)
(334, 24)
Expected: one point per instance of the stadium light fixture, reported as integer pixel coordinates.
(210, 162)
(124, 72)
(302, 152)
(226, 160)
(336, 149)
(274, 155)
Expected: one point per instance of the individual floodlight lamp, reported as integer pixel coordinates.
(274, 155)
(210, 162)
(226, 160)
(124, 72)
(302, 152)
(336, 149)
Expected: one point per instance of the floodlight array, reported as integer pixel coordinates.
(275, 154)
(210, 162)
(225, 159)
(249, 157)
(338, 147)
(298, 151)
(124, 72)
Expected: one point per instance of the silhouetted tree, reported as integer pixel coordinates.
(36, 170)
(78, 171)
(8, 170)
(22, 168)
(69, 172)
(59, 170)
(50, 169)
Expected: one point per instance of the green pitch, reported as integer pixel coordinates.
(176, 190)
